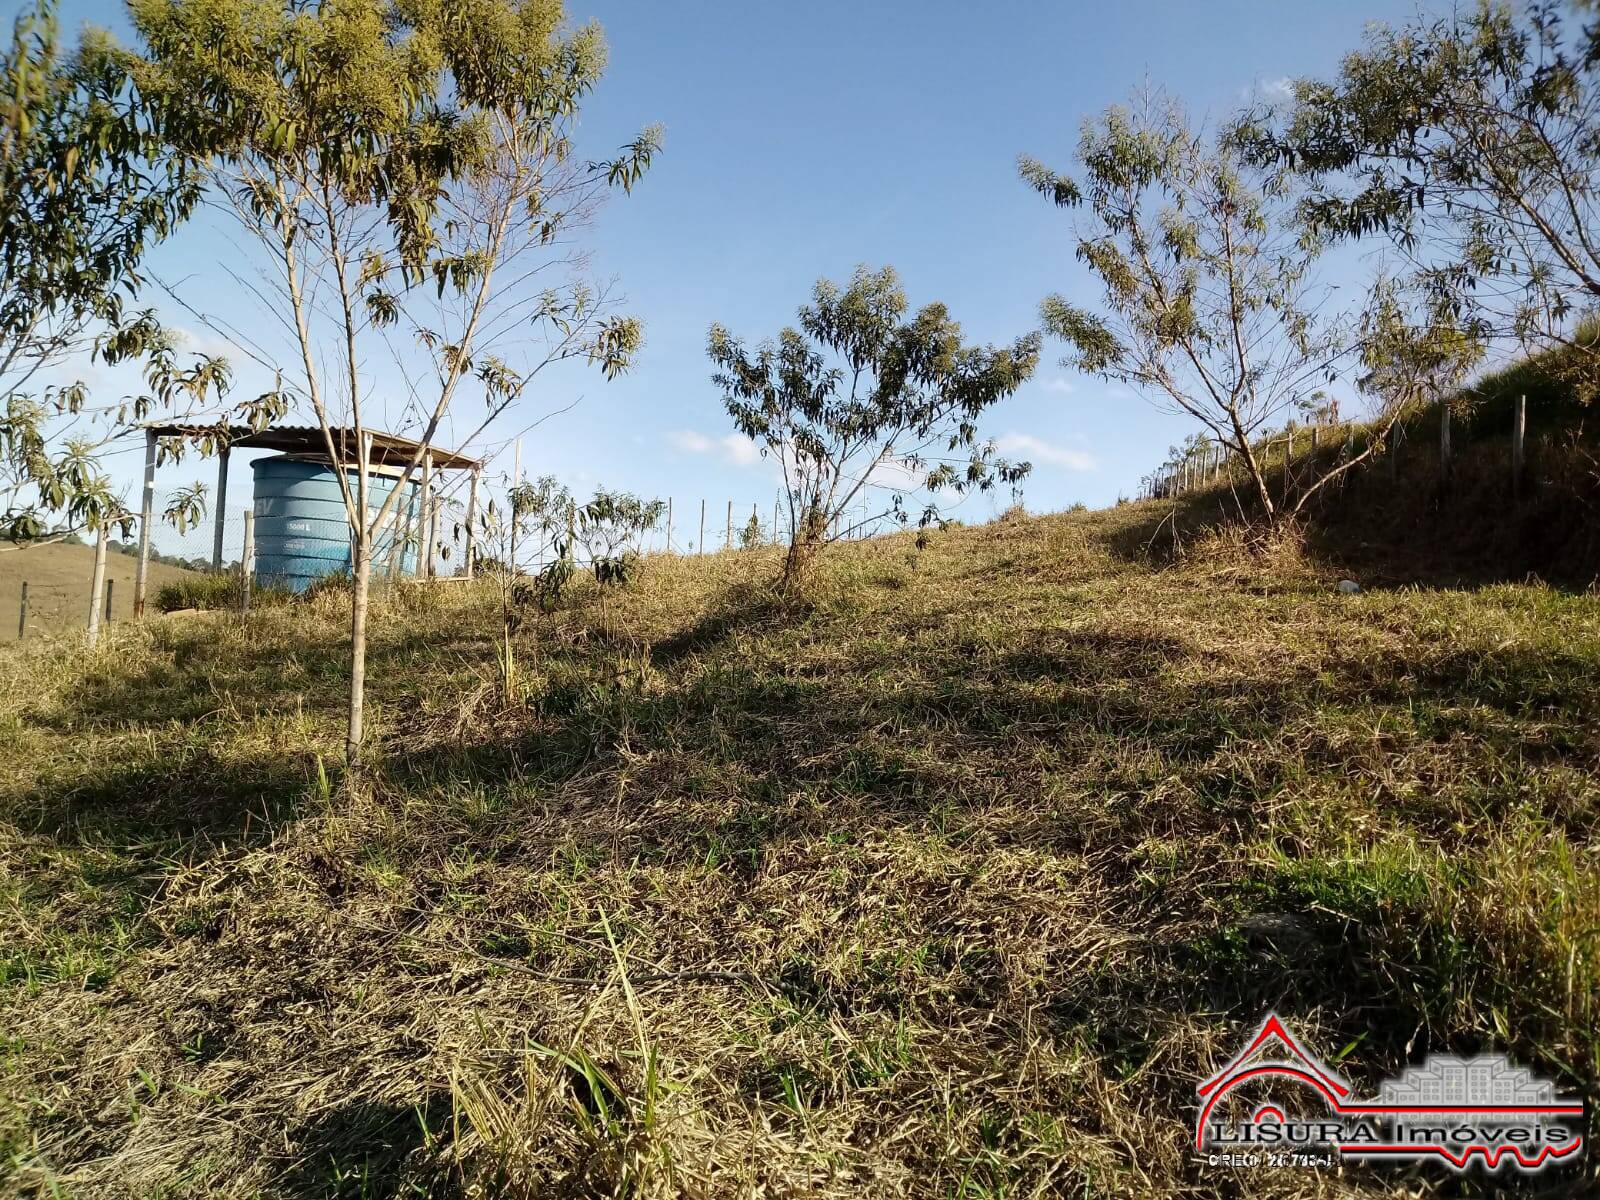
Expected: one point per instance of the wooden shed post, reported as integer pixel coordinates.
(425, 566)
(221, 509)
(1519, 429)
(472, 521)
(147, 507)
(402, 535)
(1444, 437)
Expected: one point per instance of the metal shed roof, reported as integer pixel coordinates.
(388, 449)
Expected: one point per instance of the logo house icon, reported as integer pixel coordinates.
(1294, 1063)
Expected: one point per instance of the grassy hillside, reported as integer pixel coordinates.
(955, 884)
(58, 578)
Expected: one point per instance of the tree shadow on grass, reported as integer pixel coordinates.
(366, 1150)
(774, 752)
(199, 795)
(1460, 535)
(743, 610)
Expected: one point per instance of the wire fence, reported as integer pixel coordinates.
(46, 589)
(1296, 459)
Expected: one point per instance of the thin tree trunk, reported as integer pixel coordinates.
(1253, 466)
(97, 585)
(146, 514)
(798, 564)
(804, 547)
(361, 571)
(358, 651)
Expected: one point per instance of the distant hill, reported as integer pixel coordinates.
(58, 576)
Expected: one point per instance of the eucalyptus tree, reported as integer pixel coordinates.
(864, 396)
(543, 510)
(409, 170)
(86, 189)
(1416, 348)
(610, 527)
(1472, 142)
(1211, 302)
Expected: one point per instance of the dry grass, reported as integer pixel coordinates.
(953, 884)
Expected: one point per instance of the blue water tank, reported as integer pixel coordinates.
(301, 531)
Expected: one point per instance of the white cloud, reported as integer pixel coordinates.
(897, 474)
(1273, 91)
(733, 448)
(1037, 450)
(690, 442)
(1059, 384)
(206, 342)
(740, 450)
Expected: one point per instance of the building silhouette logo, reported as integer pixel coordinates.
(1462, 1112)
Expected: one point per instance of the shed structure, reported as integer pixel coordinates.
(297, 518)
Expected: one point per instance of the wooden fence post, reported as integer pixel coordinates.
(222, 508)
(425, 552)
(1288, 452)
(669, 524)
(472, 522)
(110, 585)
(246, 567)
(402, 534)
(22, 617)
(1444, 438)
(700, 546)
(1519, 429)
(511, 516)
(147, 505)
(728, 542)
(97, 582)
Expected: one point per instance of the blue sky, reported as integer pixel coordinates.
(804, 139)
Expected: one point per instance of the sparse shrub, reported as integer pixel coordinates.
(208, 591)
(751, 536)
(609, 528)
